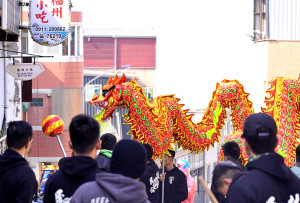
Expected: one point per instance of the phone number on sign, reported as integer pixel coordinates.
(50, 36)
(50, 29)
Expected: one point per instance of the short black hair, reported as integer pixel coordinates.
(298, 153)
(232, 150)
(224, 169)
(18, 134)
(149, 150)
(84, 133)
(108, 141)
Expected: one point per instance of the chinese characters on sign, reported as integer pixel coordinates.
(24, 71)
(49, 21)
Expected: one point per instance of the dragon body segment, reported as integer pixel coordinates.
(163, 121)
(283, 104)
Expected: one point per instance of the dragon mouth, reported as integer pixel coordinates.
(103, 104)
(99, 101)
(100, 104)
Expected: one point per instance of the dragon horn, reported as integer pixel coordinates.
(116, 80)
(110, 80)
(123, 79)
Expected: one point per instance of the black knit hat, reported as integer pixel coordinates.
(259, 125)
(129, 159)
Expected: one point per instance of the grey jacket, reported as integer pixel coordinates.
(112, 188)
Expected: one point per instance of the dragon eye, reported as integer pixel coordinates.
(105, 92)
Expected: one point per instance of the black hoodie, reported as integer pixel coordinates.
(151, 180)
(17, 180)
(268, 180)
(74, 172)
(176, 189)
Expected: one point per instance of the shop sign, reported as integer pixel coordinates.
(24, 71)
(49, 21)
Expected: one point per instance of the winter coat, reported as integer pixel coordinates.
(176, 189)
(151, 180)
(112, 188)
(268, 180)
(103, 161)
(74, 172)
(17, 179)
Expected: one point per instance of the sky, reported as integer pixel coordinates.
(199, 43)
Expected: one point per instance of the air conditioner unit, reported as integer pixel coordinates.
(11, 16)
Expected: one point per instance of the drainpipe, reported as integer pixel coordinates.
(118, 113)
(4, 75)
(116, 51)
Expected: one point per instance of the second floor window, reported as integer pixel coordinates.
(71, 46)
(259, 25)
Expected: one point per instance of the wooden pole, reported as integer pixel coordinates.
(163, 182)
(207, 190)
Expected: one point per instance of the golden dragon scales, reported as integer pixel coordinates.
(163, 121)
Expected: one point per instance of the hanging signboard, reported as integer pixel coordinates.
(49, 21)
(24, 71)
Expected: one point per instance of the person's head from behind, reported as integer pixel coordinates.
(149, 151)
(84, 135)
(169, 158)
(231, 151)
(108, 141)
(129, 159)
(223, 175)
(260, 132)
(184, 166)
(19, 135)
(298, 154)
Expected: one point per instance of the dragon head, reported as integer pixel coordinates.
(111, 96)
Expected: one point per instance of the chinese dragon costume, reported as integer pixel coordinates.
(163, 121)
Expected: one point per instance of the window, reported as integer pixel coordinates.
(71, 45)
(92, 90)
(259, 25)
(65, 47)
(72, 40)
(78, 41)
(24, 41)
(36, 102)
(148, 92)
